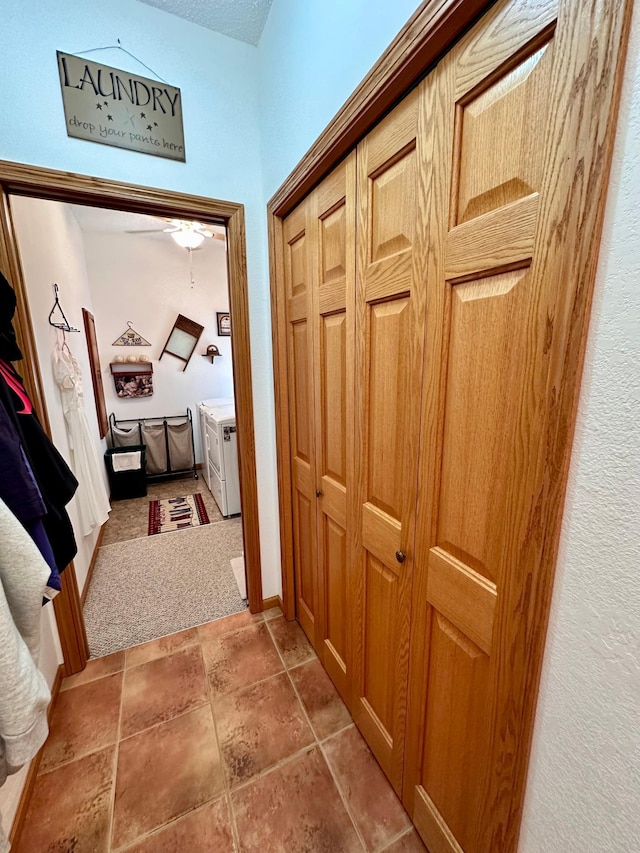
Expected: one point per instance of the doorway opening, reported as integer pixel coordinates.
(164, 414)
(181, 493)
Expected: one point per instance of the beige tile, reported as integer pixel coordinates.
(95, 668)
(376, 809)
(85, 720)
(165, 772)
(296, 807)
(70, 808)
(162, 689)
(227, 624)
(326, 710)
(291, 641)
(205, 830)
(271, 613)
(162, 646)
(259, 726)
(409, 843)
(241, 658)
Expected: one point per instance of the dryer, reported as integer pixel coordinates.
(220, 438)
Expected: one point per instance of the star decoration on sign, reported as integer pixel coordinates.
(149, 127)
(155, 124)
(142, 115)
(109, 118)
(129, 120)
(106, 103)
(98, 106)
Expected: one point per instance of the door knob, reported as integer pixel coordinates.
(318, 493)
(400, 556)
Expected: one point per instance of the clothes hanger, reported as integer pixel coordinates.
(64, 325)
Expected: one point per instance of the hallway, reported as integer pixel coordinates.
(228, 737)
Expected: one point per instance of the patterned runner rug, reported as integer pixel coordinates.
(181, 513)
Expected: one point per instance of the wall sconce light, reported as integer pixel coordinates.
(212, 352)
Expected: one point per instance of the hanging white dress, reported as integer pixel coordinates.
(91, 498)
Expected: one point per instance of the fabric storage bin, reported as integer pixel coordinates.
(126, 469)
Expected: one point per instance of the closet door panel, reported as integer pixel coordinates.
(333, 205)
(298, 260)
(392, 189)
(475, 416)
(513, 146)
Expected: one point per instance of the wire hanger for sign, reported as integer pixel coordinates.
(124, 50)
(59, 324)
(130, 338)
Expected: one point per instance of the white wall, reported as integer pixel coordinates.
(50, 659)
(218, 78)
(583, 792)
(51, 250)
(313, 54)
(146, 279)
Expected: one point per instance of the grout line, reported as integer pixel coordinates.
(116, 757)
(220, 795)
(318, 744)
(91, 750)
(342, 796)
(350, 725)
(169, 653)
(235, 836)
(268, 770)
(287, 759)
(91, 680)
(218, 697)
(396, 838)
(158, 829)
(163, 722)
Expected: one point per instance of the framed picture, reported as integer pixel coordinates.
(183, 339)
(224, 323)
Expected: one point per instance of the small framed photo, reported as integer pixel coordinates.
(224, 324)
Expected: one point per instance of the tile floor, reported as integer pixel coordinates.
(228, 737)
(129, 519)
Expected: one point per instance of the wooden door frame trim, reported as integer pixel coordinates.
(429, 33)
(38, 182)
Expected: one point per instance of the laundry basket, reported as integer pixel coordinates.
(126, 469)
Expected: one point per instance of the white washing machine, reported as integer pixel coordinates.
(203, 408)
(220, 453)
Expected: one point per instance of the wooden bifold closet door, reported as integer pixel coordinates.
(319, 263)
(438, 290)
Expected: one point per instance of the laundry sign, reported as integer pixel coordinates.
(106, 105)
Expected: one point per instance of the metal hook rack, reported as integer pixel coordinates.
(65, 324)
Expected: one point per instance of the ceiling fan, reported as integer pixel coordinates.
(186, 233)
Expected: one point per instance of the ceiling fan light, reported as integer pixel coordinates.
(188, 239)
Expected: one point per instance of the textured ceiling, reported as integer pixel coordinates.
(240, 19)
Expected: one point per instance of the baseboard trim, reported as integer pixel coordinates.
(274, 601)
(92, 564)
(30, 781)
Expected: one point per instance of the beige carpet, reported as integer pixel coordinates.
(147, 588)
